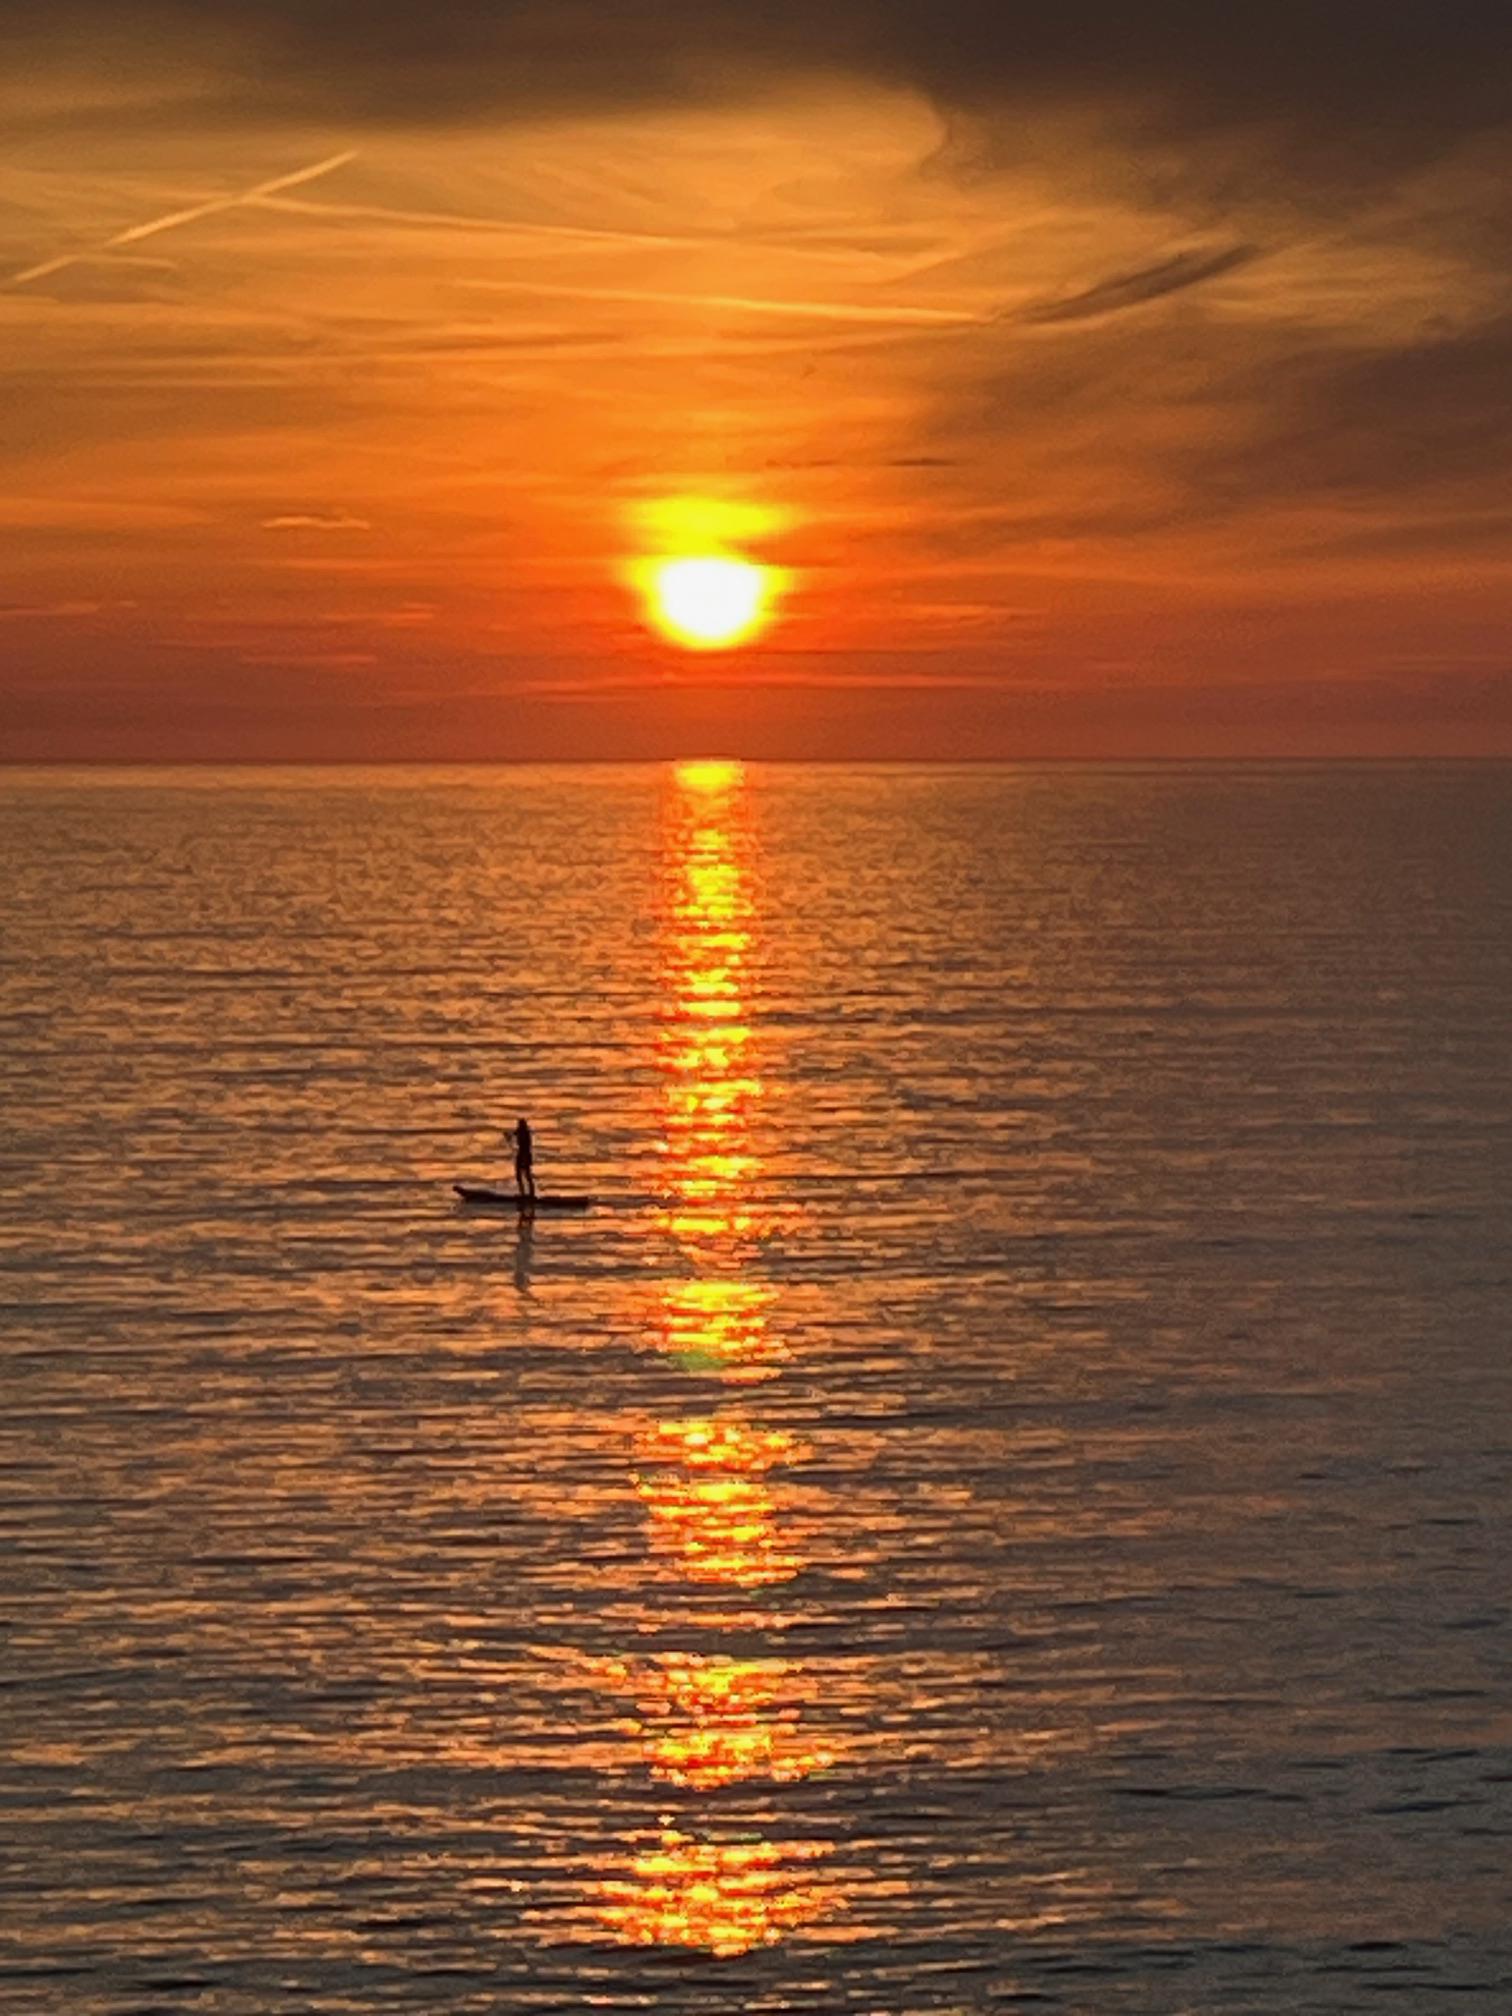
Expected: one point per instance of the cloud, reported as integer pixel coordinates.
(321, 661)
(1400, 417)
(1133, 290)
(50, 610)
(898, 314)
(1220, 450)
(883, 265)
(95, 514)
(1330, 94)
(316, 521)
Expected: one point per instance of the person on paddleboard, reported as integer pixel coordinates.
(524, 1154)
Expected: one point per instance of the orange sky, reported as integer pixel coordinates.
(1079, 423)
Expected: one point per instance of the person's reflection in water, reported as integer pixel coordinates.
(524, 1252)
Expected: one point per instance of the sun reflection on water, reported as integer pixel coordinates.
(710, 1481)
(725, 1896)
(707, 1720)
(720, 1327)
(709, 1506)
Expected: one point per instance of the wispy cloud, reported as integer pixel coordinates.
(13, 611)
(533, 233)
(1149, 283)
(316, 521)
(1334, 105)
(409, 412)
(825, 311)
(858, 674)
(322, 661)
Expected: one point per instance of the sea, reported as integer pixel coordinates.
(1004, 1502)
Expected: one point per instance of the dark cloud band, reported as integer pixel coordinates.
(1133, 290)
(1346, 86)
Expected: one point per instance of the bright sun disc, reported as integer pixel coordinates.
(711, 603)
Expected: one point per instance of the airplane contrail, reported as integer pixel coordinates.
(828, 311)
(504, 227)
(213, 207)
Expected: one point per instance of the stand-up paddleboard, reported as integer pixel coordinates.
(544, 1200)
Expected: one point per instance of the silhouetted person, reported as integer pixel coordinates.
(524, 1149)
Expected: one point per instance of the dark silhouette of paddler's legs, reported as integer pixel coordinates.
(524, 1148)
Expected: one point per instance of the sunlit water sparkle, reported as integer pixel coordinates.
(1005, 1506)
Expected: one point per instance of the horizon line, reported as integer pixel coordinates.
(1147, 761)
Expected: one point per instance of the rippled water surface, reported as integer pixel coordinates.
(1004, 1504)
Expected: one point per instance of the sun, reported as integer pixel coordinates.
(693, 572)
(709, 602)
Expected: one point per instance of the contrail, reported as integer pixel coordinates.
(137, 232)
(581, 234)
(828, 311)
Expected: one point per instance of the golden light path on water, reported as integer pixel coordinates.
(1007, 1506)
(710, 1481)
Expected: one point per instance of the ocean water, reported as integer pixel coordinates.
(1005, 1505)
